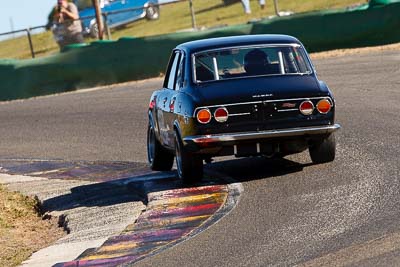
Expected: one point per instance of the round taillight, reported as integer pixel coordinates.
(221, 114)
(306, 108)
(204, 116)
(324, 106)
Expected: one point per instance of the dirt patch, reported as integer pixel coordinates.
(353, 51)
(22, 229)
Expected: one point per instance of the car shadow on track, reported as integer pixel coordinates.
(92, 195)
(120, 191)
(256, 168)
(131, 189)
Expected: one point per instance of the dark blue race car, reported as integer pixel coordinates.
(120, 12)
(255, 95)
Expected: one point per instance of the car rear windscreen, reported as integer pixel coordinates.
(244, 62)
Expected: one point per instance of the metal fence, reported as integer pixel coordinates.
(28, 34)
(28, 31)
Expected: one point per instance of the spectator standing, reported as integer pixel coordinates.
(246, 5)
(68, 28)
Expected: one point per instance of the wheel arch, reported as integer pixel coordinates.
(154, 124)
(177, 129)
(151, 120)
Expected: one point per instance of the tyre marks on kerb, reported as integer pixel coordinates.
(171, 217)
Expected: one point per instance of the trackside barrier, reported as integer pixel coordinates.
(334, 29)
(106, 62)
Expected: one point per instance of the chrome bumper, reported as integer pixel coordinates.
(227, 137)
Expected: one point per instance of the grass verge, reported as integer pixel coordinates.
(22, 230)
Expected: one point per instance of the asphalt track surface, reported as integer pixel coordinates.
(291, 211)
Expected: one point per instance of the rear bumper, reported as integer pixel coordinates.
(244, 136)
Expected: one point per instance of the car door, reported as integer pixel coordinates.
(165, 102)
(112, 9)
(138, 6)
(173, 108)
(122, 11)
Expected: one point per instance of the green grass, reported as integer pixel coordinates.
(176, 17)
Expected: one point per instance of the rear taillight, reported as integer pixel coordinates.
(221, 114)
(324, 106)
(204, 116)
(152, 103)
(306, 108)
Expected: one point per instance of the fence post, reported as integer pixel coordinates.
(276, 7)
(108, 32)
(28, 31)
(194, 26)
(99, 19)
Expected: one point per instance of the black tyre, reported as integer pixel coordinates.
(189, 166)
(324, 150)
(94, 31)
(160, 159)
(152, 12)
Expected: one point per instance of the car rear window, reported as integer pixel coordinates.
(250, 61)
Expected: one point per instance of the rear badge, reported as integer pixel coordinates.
(261, 96)
(288, 105)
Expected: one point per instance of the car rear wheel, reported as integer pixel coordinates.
(94, 31)
(189, 166)
(152, 12)
(324, 150)
(160, 159)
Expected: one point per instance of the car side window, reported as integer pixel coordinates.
(179, 74)
(172, 71)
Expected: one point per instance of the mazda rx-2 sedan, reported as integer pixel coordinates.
(255, 95)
